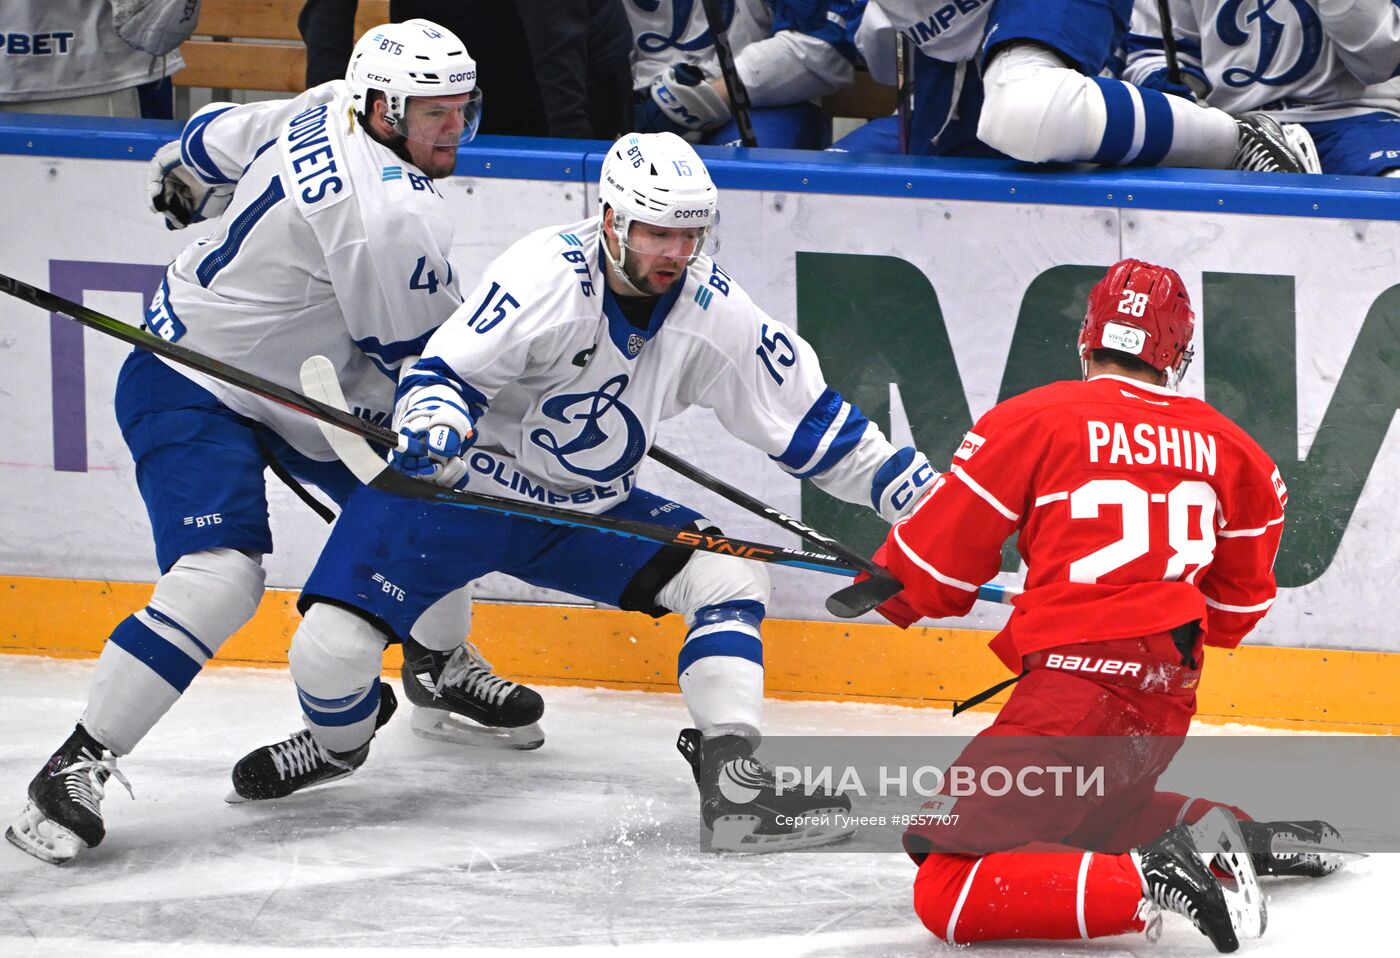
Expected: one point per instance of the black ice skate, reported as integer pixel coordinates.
(1177, 877)
(276, 771)
(742, 809)
(1295, 849)
(459, 699)
(1266, 147)
(64, 813)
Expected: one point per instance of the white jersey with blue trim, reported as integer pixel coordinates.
(567, 394)
(785, 51)
(1300, 60)
(54, 49)
(333, 245)
(949, 32)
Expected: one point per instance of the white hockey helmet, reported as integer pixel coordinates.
(658, 179)
(416, 58)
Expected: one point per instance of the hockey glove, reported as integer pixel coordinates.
(1160, 80)
(896, 608)
(439, 430)
(180, 196)
(682, 98)
(157, 27)
(904, 479)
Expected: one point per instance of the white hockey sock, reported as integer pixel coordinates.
(721, 668)
(132, 686)
(1202, 136)
(1149, 128)
(154, 654)
(335, 660)
(446, 622)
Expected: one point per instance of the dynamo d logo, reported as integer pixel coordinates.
(1302, 32)
(603, 416)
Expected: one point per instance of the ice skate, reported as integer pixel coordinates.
(64, 813)
(276, 771)
(457, 698)
(1176, 876)
(1265, 147)
(742, 809)
(1295, 849)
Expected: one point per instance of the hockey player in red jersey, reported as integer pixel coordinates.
(1149, 524)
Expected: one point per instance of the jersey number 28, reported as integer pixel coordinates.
(1191, 543)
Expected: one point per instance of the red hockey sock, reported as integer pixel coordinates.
(1045, 895)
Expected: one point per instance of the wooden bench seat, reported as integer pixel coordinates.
(255, 45)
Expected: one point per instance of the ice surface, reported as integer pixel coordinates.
(589, 844)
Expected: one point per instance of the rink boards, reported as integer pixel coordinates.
(930, 290)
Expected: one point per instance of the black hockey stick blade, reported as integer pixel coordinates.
(187, 357)
(858, 599)
(318, 378)
(862, 597)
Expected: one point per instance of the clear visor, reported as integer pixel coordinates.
(441, 121)
(677, 242)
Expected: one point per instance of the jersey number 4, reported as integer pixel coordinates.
(1190, 527)
(424, 277)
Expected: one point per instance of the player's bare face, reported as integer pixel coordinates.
(434, 128)
(658, 255)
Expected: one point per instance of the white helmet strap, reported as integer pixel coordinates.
(619, 229)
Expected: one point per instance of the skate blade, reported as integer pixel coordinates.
(739, 833)
(1221, 844)
(233, 798)
(1326, 852)
(35, 835)
(443, 726)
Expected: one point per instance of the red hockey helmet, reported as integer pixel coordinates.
(1142, 310)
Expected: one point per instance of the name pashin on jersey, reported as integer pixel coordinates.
(1146, 444)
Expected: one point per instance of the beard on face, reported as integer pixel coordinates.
(645, 282)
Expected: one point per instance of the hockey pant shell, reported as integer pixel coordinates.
(392, 558)
(200, 469)
(1054, 866)
(200, 466)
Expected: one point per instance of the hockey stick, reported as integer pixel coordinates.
(318, 378)
(338, 416)
(847, 603)
(188, 357)
(393, 481)
(903, 90)
(1169, 41)
(740, 498)
(738, 93)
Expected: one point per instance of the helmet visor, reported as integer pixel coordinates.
(679, 242)
(441, 121)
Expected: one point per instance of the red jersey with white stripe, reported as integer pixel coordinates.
(1138, 510)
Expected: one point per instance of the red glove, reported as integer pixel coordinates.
(897, 609)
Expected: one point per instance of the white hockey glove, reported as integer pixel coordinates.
(684, 97)
(180, 196)
(437, 424)
(156, 27)
(904, 479)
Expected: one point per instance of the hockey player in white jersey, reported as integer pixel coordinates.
(1022, 79)
(549, 384)
(335, 242)
(1327, 65)
(787, 54)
